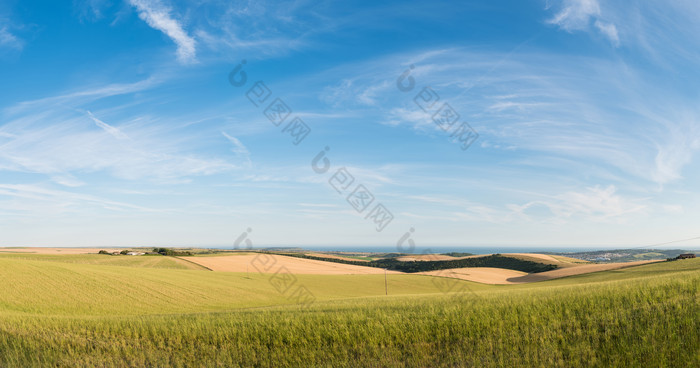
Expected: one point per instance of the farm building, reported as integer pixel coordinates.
(686, 256)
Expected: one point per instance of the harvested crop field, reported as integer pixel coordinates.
(484, 275)
(333, 256)
(270, 263)
(500, 276)
(560, 261)
(539, 257)
(572, 271)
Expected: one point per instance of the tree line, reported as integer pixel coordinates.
(494, 260)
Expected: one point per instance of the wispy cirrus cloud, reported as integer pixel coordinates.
(666, 31)
(227, 40)
(33, 197)
(595, 203)
(83, 96)
(583, 15)
(91, 10)
(60, 138)
(9, 40)
(159, 16)
(609, 30)
(69, 146)
(547, 103)
(576, 15)
(114, 132)
(238, 148)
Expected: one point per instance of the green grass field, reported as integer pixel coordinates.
(149, 261)
(77, 311)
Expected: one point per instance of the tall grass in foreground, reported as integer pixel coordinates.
(648, 322)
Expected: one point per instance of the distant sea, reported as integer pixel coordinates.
(447, 249)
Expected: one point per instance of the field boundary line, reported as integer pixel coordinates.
(192, 262)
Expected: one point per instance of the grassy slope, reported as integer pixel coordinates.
(149, 261)
(103, 315)
(57, 288)
(644, 272)
(568, 259)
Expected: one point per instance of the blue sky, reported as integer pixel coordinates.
(119, 125)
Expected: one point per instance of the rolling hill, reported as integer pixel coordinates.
(55, 313)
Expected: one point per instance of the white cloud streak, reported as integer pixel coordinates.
(58, 138)
(159, 17)
(238, 148)
(596, 203)
(609, 30)
(576, 14)
(579, 15)
(9, 40)
(82, 96)
(114, 132)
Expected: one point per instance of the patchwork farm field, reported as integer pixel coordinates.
(77, 311)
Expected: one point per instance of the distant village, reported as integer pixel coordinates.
(628, 255)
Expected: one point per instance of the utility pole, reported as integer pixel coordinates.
(386, 288)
